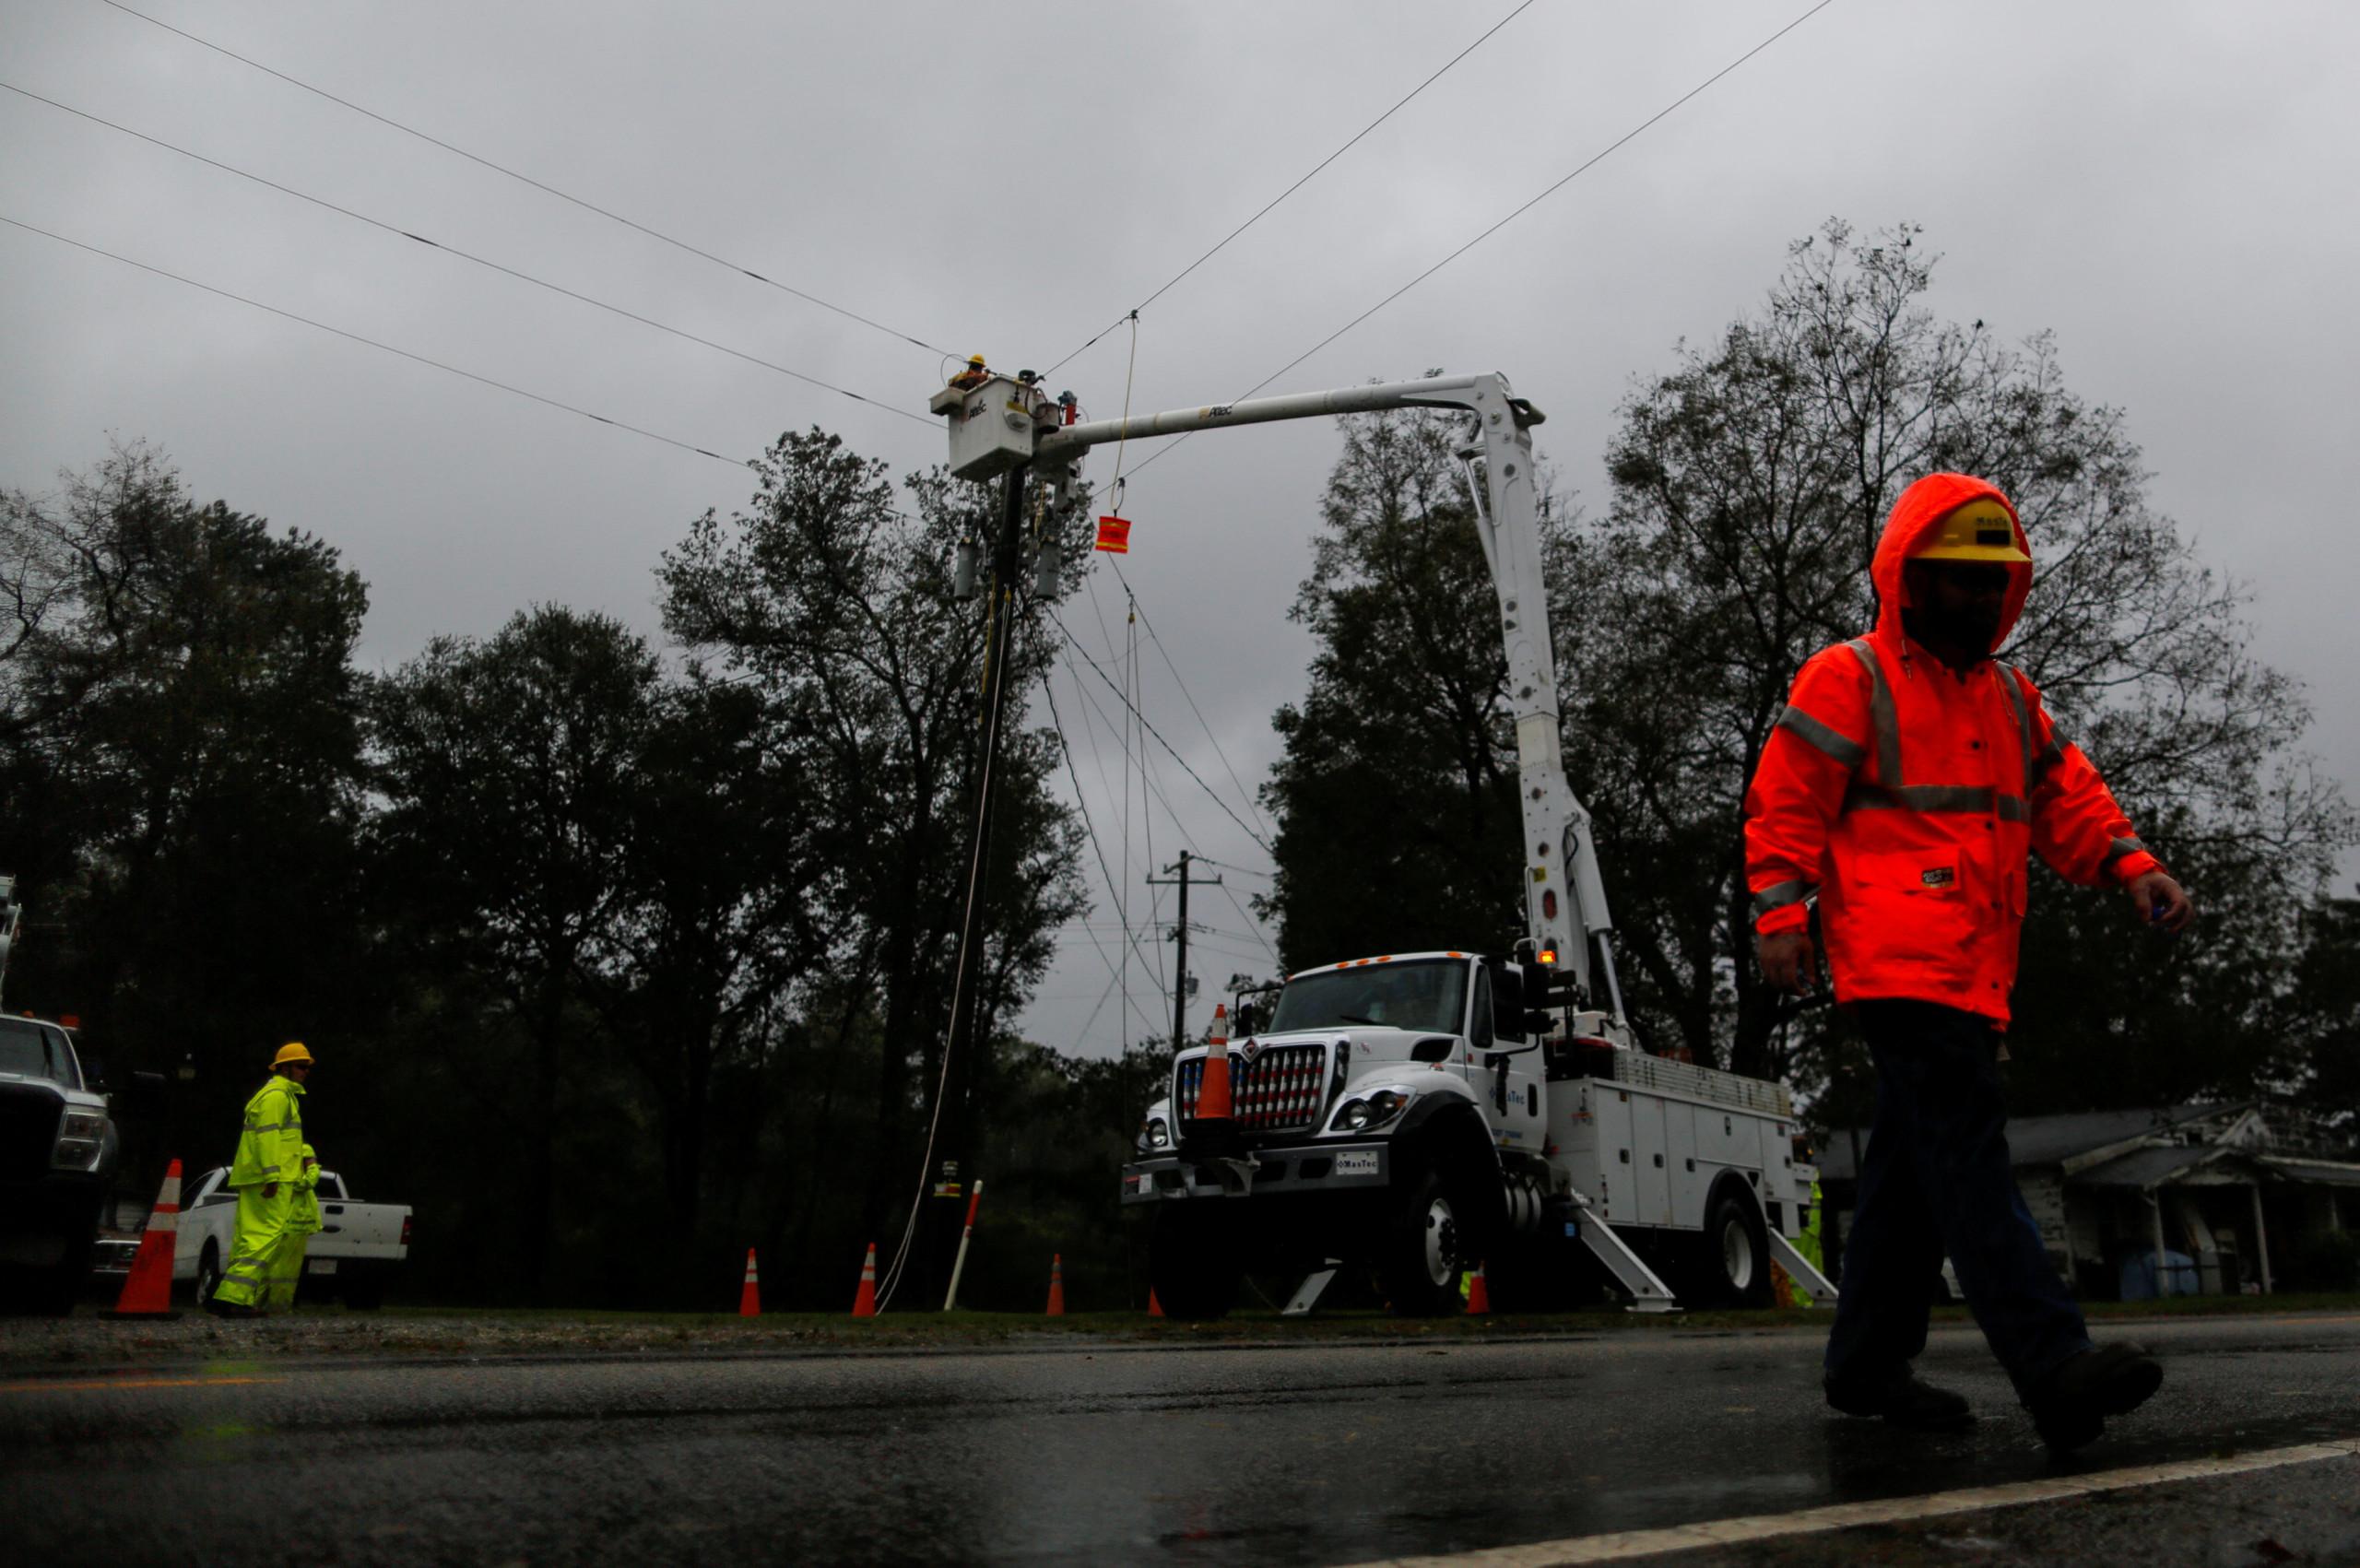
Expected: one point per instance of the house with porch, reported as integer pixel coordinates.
(2205, 1199)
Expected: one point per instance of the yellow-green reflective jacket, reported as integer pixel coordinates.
(270, 1144)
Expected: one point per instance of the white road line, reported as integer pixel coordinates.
(1628, 1544)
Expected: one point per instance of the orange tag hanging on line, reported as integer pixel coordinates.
(1115, 535)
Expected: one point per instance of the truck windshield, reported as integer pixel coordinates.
(32, 1050)
(1430, 994)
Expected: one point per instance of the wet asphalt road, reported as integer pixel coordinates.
(1326, 1454)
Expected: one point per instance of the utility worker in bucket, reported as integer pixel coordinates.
(270, 1154)
(974, 375)
(303, 1223)
(1904, 785)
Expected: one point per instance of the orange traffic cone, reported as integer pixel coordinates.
(1057, 1285)
(864, 1301)
(148, 1289)
(750, 1298)
(1212, 1097)
(1479, 1295)
(1154, 1307)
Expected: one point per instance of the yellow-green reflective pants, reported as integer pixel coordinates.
(262, 1227)
(285, 1271)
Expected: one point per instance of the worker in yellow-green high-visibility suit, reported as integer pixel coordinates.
(269, 1158)
(302, 1224)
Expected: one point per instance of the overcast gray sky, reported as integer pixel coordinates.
(2166, 185)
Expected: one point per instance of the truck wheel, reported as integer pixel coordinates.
(1734, 1261)
(209, 1272)
(1421, 1254)
(1192, 1260)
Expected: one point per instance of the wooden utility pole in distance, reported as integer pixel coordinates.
(1180, 980)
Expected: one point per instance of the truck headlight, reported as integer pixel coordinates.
(1156, 1134)
(80, 1136)
(1363, 1112)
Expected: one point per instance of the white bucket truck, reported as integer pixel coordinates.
(1424, 1113)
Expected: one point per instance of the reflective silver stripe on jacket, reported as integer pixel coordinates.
(1954, 799)
(2012, 685)
(2121, 847)
(1803, 726)
(1780, 895)
(1884, 720)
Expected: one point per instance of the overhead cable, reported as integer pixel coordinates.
(1243, 825)
(527, 179)
(373, 343)
(1592, 162)
(399, 233)
(1305, 179)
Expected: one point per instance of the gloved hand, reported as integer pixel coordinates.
(1790, 963)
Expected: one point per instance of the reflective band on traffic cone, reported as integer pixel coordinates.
(148, 1289)
(1479, 1295)
(864, 1301)
(1057, 1285)
(1213, 1095)
(1154, 1307)
(749, 1299)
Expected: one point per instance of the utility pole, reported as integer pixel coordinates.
(1180, 936)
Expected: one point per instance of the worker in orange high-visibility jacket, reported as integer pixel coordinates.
(1902, 791)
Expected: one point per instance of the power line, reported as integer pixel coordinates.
(1551, 190)
(400, 233)
(1243, 793)
(373, 343)
(1299, 185)
(1192, 773)
(536, 184)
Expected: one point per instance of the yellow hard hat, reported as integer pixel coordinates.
(292, 1051)
(976, 360)
(1981, 530)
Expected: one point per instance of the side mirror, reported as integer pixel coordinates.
(1434, 1048)
(1537, 1023)
(1536, 986)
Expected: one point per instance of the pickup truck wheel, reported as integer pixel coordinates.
(209, 1272)
(1422, 1255)
(1192, 1260)
(1733, 1260)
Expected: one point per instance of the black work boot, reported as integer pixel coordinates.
(2070, 1405)
(1900, 1397)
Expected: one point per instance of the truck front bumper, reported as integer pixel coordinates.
(1303, 1171)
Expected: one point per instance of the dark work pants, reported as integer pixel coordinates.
(1935, 1180)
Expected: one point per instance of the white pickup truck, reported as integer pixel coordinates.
(356, 1255)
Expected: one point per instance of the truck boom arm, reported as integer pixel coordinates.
(1558, 852)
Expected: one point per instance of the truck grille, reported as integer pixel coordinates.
(1281, 1090)
(27, 1130)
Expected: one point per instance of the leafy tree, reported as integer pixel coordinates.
(1750, 485)
(834, 603)
(1395, 796)
(514, 801)
(179, 768)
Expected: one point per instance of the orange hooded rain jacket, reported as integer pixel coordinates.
(1907, 796)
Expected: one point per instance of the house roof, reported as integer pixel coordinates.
(2047, 1140)
(2143, 1168)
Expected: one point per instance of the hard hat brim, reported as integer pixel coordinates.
(2006, 555)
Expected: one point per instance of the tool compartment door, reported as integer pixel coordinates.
(1650, 1160)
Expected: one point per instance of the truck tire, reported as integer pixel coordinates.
(209, 1272)
(1421, 1253)
(1192, 1260)
(1733, 1263)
